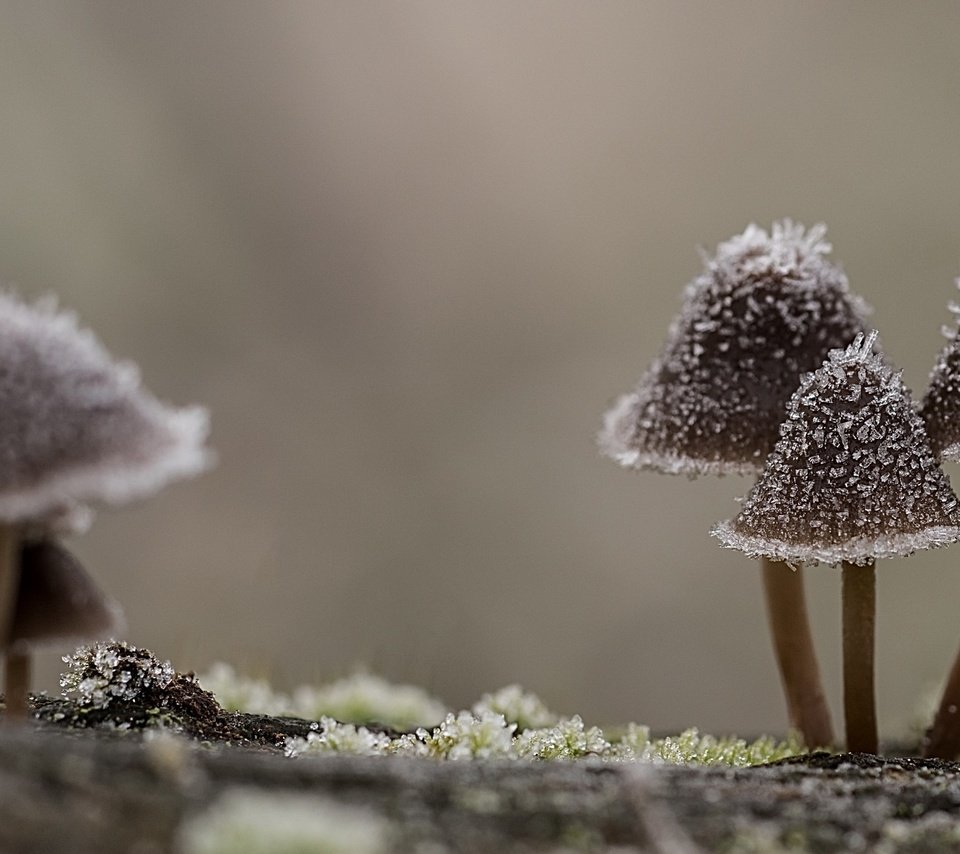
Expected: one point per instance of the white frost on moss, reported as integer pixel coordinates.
(335, 737)
(358, 699)
(255, 822)
(364, 699)
(508, 724)
(103, 672)
(517, 706)
(490, 736)
(567, 739)
(236, 693)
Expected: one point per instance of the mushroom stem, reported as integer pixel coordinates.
(943, 739)
(17, 686)
(9, 578)
(9, 583)
(795, 654)
(859, 618)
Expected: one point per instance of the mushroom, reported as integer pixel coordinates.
(852, 479)
(940, 411)
(57, 603)
(767, 309)
(76, 429)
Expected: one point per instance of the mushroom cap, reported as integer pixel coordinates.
(767, 309)
(77, 426)
(940, 408)
(58, 601)
(852, 478)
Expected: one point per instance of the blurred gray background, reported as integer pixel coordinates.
(408, 253)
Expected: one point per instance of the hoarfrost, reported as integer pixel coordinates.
(877, 493)
(767, 309)
(940, 408)
(104, 672)
(78, 426)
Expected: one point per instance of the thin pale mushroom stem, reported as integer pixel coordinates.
(859, 623)
(796, 658)
(943, 740)
(9, 582)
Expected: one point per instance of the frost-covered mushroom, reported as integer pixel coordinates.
(940, 411)
(76, 429)
(57, 603)
(767, 309)
(940, 408)
(852, 479)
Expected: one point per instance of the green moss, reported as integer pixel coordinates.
(257, 822)
(507, 724)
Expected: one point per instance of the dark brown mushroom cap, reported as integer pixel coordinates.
(852, 478)
(75, 425)
(58, 601)
(940, 409)
(766, 310)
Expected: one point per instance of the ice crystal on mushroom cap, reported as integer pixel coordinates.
(941, 404)
(766, 310)
(76, 426)
(852, 477)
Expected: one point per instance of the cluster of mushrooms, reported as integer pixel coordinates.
(76, 430)
(771, 370)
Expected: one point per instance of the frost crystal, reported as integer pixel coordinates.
(766, 310)
(105, 672)
(852, 478)
(77, 426)
(335, 737)
(940, 409)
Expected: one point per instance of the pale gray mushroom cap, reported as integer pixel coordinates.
(940, 409)
(58, 601)
(767, 309)
(852, 478)
(76, 427)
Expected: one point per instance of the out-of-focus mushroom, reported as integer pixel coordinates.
(852, 479)
(76, 429)
(57, 603)
(940, 408)
(940, 411)
(767, 309)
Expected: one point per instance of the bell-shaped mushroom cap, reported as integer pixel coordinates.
(767, 309)
(853, 477)
(940, 409)
(57, 601)
(76, 426)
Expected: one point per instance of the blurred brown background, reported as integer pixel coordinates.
(408, 253)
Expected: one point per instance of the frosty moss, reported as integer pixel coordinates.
(360, 698)
(257, 822)
(97, 675)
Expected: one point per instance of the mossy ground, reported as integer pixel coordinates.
(168, 769)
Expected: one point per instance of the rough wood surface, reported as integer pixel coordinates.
(86, 791)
